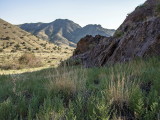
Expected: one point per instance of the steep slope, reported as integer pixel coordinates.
(14, 42)
(13, 39)
(59, 31)
(64, 32)
(138, 36)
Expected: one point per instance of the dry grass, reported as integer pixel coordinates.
(68, 81)
(120, 88)
(30, 60)
(66, 86)
(47, 59)
(14, 42)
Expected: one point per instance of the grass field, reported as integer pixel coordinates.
(47, 59)
(128, 91)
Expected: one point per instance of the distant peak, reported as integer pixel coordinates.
(93, 26)
(62, 20)
(96, 25)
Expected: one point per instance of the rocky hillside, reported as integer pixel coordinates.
(138, 36)
(87, 43)
(13, 39)
(64, 32)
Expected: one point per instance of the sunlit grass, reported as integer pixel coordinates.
(121, 91)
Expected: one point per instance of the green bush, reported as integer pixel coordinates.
(158, 8)
(1, 50)
(17, 46)
(118, 34)
(71, 62)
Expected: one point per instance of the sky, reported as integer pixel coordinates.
(108, 13)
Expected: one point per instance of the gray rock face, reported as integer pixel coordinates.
(63, 31)
(138, 36)
(87, 43)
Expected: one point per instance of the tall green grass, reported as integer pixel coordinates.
(121, 91)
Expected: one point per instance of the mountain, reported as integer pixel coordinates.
(13, 39)
(92, 30)
(14, 42)
(64, 31)
(138, 36)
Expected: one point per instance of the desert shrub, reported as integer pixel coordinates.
(5, 67)
(54, 48)
(23, 43)
(7, 46)
(71, 62)
(25, 48)
(10, 66)
(11, 43)
(17, 46)
(7, 38)
(158, 8)
(37, 49)
(43, 45)
(59, 48)
(13, 50)
(1, 50)
(29, 60)
(141, 6)
(118, 33)
(29, 49)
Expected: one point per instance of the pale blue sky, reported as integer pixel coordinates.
(108, 13)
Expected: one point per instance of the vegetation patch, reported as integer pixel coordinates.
(121, 91)
(118, 34)
(71, 62)
(30, 60)
(10, 66)
(158, 8)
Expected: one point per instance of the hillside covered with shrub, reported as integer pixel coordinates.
(14, 42)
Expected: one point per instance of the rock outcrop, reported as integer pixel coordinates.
(138, 36)
(87, 43)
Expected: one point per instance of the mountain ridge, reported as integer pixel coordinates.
(64, 31)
